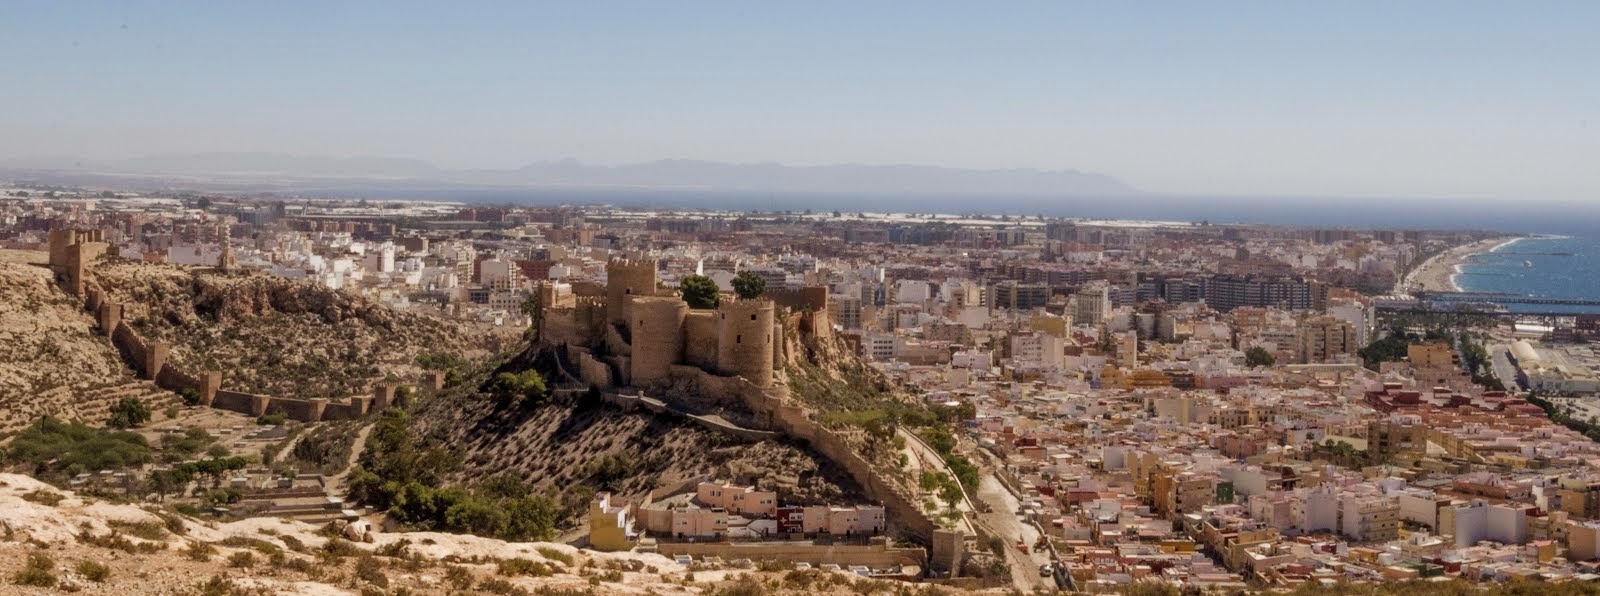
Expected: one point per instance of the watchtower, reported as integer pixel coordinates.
(624, 278)
(745, 339)
(656, 325)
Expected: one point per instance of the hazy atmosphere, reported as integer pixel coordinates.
(1416, 99)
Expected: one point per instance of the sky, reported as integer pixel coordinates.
(1457, 99)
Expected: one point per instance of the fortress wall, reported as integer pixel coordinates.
(593, 371)
(656, 326)
(78, 257)
(700, 339)
(560, 326)
(870, 555)
(131, 345)
(806, 298)
(744, 340)
(625, 278)
(234, 401)
(303, 410)
(109, 316)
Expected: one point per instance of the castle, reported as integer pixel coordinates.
(640, 335)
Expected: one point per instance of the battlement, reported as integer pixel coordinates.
(624, 278)
(806, 298)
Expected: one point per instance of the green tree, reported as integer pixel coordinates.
(1258, 356)
(190, 396)
(129, 412)
(748, 285)
(527, 387)
(700, 292)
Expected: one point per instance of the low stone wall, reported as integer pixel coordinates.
(634, 402)
(871, 555)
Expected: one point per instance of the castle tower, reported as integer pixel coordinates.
(656, 325)
(745, 339)
(624, 278)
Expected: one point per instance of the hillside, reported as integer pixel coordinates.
(54, 540)
(51, 355)
(279, 336)
(577, 442)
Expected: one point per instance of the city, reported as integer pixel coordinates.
(1051, 403)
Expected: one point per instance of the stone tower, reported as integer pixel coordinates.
(745, 339)
(624, 278)
(656, 325)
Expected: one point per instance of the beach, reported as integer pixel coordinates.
(1434, 275)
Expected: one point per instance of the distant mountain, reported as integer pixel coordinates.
(681, 174)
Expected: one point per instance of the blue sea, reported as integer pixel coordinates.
(1544, 266)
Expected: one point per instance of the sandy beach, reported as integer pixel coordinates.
(1437, 273)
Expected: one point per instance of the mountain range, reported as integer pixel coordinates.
(678, 174)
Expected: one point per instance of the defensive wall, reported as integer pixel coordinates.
(72, 252)
(876, 555)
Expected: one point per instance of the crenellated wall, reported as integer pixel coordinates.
(625, 278)
(806, 298)
(149, 358)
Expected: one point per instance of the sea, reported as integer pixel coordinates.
(1546, 266)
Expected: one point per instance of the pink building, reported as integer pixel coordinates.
(699, 523)
(743, 500)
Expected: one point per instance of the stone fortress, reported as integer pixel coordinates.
(632, 337)
(72, 256)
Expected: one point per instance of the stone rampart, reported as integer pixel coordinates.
(871, 555)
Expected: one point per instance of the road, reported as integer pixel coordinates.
(1500, 361)
(1003, 521)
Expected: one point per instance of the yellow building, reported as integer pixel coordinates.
(611, 525)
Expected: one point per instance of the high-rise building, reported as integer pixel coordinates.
(1323, 337)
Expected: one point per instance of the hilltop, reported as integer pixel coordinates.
(283, 337)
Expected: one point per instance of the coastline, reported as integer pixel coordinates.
(1438, 273)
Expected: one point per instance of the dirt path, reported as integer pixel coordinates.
(337, 482)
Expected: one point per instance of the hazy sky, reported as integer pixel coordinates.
(1409, 98)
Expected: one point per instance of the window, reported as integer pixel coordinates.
(738, 339)
(752, 316)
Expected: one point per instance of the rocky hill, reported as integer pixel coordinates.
(50, 351)
(55, 541)
(283, 337)
(576, 441)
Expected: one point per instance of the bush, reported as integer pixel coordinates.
(40, 572)
(92, 571)
(515, 567)
(242, 560)
(370, 570)
(554, 555)
(527, 387)
(273, 418)
(190, 396)
(200, 551)
(52, 447)
(128, 412)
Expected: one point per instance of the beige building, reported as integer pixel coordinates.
(1320, 338)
